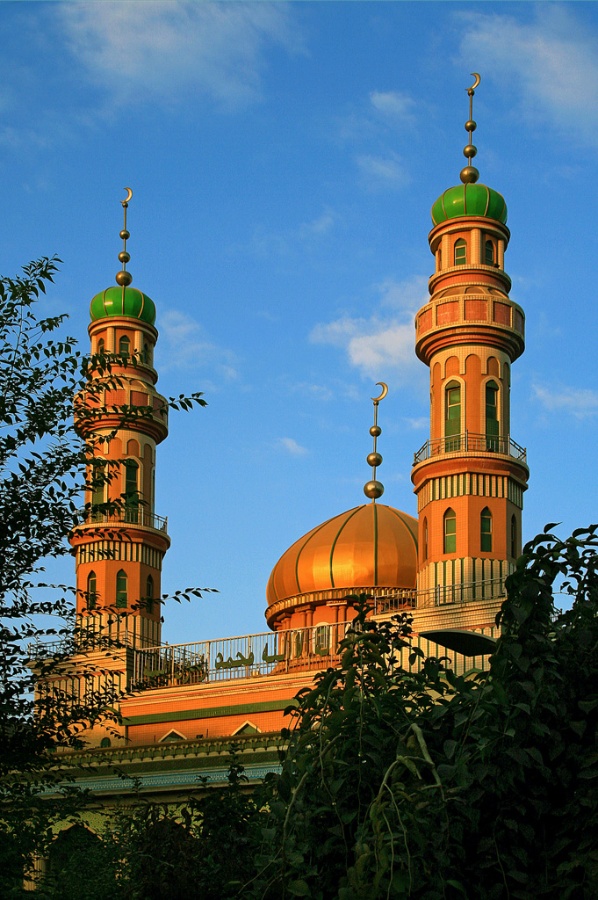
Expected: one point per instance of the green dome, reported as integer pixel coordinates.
(469, 200)
(123, 301)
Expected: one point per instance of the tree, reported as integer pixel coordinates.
(44, 464)
(401, 784)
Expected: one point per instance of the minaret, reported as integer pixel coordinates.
(470, 476)
(120, 547)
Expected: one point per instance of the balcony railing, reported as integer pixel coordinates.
(471, 443)
(127, 515)
(294, 651)
(469, 592)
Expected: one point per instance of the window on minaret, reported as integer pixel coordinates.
(425, 547)
(450, 531)
(486, 531)
(131, 490)
(489, 253)
(98, 488)
(121, 589)
(124, 346)
(492, 416)
(149, 594)
(92, 590)
(101, 346)
(514, 542)
(460, 252)
(452, 416)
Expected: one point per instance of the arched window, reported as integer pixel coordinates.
(124, 346)
(514, 540)
(492, 427)
(452, 416)
(488, 253)
(425, 536)
(101, 346)
(121, 589)
(131, 490)
(450, 531)
(92, 590)
(149, 594)
(486, 531)
(322, 640)
(298, 644)
(99, 488)
(460, 252)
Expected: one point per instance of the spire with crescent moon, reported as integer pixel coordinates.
(124, 278)
(469, 175)
(374, 488)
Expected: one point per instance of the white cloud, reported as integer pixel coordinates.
(383, 171)
(393, 104)
(551, 63)
(322, 224)
(291, 446)
(579, 402)
(380, 342)
(154, 50)
(183, 345)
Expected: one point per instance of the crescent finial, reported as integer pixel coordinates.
(476, 82)
(128, 197)
(384, 392)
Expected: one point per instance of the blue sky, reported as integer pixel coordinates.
(284, 158)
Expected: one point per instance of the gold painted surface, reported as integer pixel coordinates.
(348, 550)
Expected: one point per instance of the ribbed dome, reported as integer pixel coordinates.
(469, 200)
(123, 301)
(366, 547)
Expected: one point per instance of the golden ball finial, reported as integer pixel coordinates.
(373, 489)
(124, 278)
(469, 175)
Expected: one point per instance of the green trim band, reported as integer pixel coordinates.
(213, 712)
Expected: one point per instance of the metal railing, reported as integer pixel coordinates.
(467, 592)
(471, 443)
(127, 515)
(226, 659)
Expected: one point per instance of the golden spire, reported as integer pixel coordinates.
(469, 175)
(123, 277)
(374, 489)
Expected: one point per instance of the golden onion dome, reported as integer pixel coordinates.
(370, 546)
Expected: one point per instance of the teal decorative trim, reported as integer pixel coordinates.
(213, 712)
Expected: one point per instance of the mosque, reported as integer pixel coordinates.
(183, 705)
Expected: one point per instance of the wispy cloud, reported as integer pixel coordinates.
(159, 49)
(384, 340)
(395, 105)
(184, 345)
(579, 402)
(383, 171)
(291, 446)
(552, 62)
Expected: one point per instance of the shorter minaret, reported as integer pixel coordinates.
(120, 546)
(470, 476)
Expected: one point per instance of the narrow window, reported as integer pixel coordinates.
(121, 589)
(298, 643)
(450, 531)
(322, 639)
(486, 531)
(492, 441)
(460, 252)
(514, 541)
(452, 416)
(101, 345)
(425, 547)
(149, 594)
(132, 509)
(98, 488)
(489, 253)
(124, 346)
(92, 590)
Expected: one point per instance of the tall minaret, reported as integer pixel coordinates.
(470, 476)
(119, 548)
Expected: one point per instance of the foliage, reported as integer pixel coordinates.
(426, 784)
(44, 462)
(199, 849)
